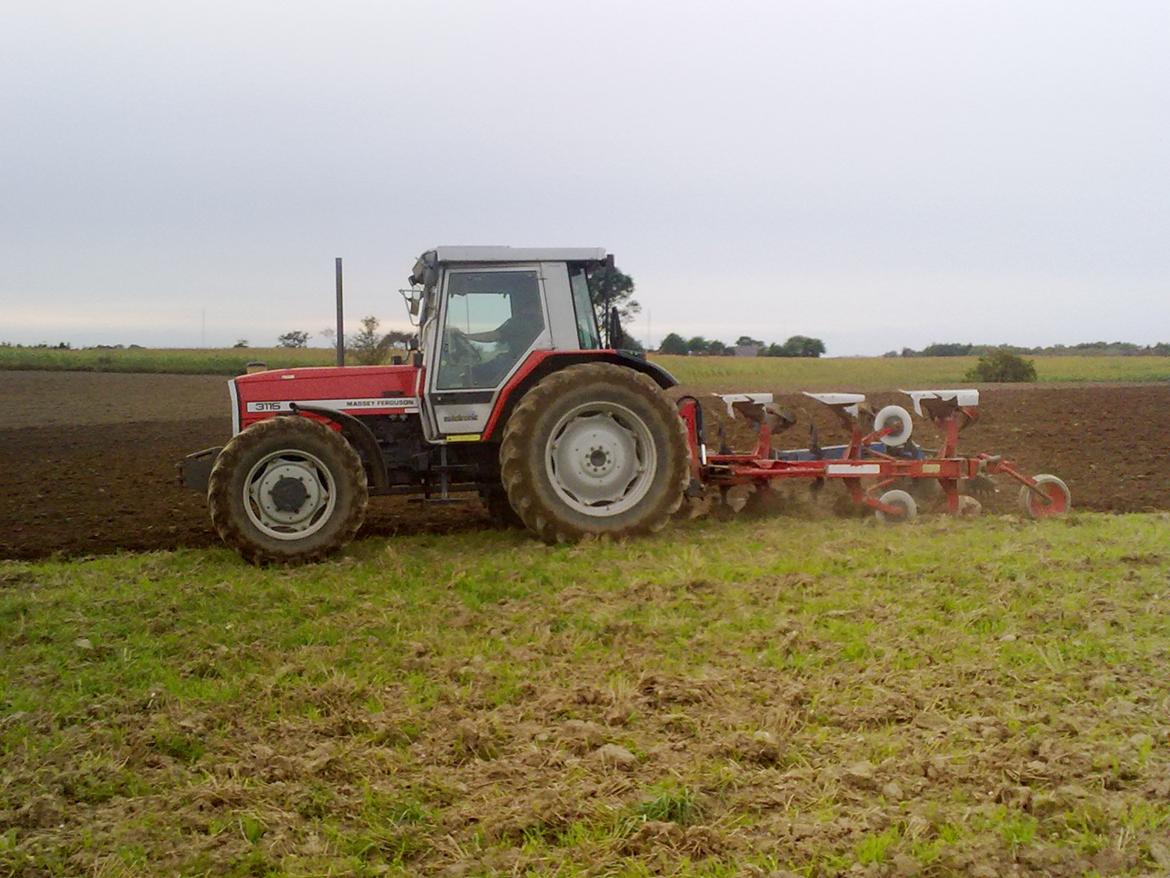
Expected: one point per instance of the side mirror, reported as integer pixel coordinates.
(413, 300)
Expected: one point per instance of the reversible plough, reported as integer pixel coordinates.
(872, 464)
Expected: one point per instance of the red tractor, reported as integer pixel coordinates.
(513, 394)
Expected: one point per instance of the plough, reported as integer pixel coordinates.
(872, 462)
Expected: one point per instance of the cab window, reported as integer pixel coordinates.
(587, 335)
(493, 318)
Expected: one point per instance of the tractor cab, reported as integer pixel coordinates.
(483, 312)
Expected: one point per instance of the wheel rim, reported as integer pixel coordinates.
(601, 459)
(289, 494)
(1055, 493)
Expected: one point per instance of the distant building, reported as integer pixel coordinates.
(748, 350)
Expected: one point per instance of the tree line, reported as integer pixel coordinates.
(795, 346)
(1085, 349)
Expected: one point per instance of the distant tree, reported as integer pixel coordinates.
(370, 346)
(673, 344)
(293, 339)
(241, 343)
(889, 354)
(746, 340)
(397, 338)
(803, 346)
(615, 287)
(717, 348)
(774, 350)
(948, 349)
(363, 344)
(698, 345)
(1002, 366)
(329, 334)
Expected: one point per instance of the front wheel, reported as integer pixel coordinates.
(594, 449)
(287, 490)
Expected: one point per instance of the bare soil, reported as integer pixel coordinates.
(89, 458)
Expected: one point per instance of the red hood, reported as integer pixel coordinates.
(354, 389)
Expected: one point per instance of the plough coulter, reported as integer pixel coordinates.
(516, 391)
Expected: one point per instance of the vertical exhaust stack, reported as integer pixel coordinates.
(340, 316)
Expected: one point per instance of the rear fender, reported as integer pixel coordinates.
(542, 363)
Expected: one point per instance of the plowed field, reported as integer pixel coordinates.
(88, 460)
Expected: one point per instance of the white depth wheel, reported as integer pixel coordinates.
(900, 499)
(897, 417)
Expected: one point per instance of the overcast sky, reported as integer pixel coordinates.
(877, 174)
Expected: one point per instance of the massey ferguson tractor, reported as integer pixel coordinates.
(512, 393)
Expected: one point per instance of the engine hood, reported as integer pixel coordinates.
(357, 390)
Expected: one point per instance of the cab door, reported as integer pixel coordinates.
(489, 320)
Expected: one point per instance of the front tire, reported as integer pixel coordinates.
(287, 490)
(594, 449)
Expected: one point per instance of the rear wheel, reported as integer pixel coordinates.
(1057, 499)
(287, 490)
(594, 449)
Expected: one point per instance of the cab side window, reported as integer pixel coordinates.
(587, 335)
(493, 318)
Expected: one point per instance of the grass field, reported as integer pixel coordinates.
(699, 373)
(724, 699)
(878, 373)
(187, 361)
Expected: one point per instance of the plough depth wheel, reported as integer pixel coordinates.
(1057, 492)
(897, 418)
(903, 501)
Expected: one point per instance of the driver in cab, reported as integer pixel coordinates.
(513, 336)
(519, 330)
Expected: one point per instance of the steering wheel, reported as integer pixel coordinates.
(460, 350)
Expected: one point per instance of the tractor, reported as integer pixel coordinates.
(511, 392)
(514, 392)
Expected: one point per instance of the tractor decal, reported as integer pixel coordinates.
(400, 404)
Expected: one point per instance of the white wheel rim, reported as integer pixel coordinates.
(901, 499)
(289, 494)
(600, 459)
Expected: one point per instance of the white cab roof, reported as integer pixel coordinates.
(461, 253)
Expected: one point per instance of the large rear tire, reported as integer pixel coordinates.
(594, 449)
(287, 490)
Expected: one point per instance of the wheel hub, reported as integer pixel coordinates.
(289, 494)
(600, 458)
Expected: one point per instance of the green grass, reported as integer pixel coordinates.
(811, 696)
(699, 373)
(188, 361)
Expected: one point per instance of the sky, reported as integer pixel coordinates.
(876, 174)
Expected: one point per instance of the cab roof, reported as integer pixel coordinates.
(461, 253)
